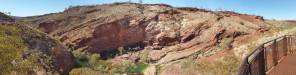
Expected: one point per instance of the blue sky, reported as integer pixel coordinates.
(270, 9)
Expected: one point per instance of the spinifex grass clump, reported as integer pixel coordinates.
(15, 55)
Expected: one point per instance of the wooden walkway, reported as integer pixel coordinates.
(286, 67)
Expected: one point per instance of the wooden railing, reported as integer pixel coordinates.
(267, 55)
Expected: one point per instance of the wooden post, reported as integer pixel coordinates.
(285, 45)
(274, 53)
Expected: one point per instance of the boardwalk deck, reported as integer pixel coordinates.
(286, 67)
(266, 57)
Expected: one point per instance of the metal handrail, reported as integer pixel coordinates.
(256, 63)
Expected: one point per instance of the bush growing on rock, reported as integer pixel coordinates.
(144, 56)
(17, 58)
(129, 67)
(88, 63)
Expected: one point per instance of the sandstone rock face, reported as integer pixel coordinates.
(171, 33)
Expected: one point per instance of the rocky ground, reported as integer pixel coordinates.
(25, 51)
(171, 40)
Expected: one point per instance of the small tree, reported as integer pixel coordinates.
(94, 58)
(8, 13)
(144, 56)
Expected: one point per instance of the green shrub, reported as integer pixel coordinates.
(94, 58)
(140, 67)
(128, 67)
(85, 71)
(12, 57)
(92, 63)
(80, 58)
(11, 46)
(144, 56)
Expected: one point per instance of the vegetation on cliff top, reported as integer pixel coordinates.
(15, 56)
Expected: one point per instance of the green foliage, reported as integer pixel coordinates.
(144, 56)
(94, 58)
(5, 17)
(12, 57)
(11, 46)
(92, 61)
(129, 68)
(90, 64)
(33, 63)
(80, 58)
(85, 71)
(140, 67)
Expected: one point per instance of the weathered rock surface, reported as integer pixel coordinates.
(169, 33)
(100, 28)
(63, 60)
